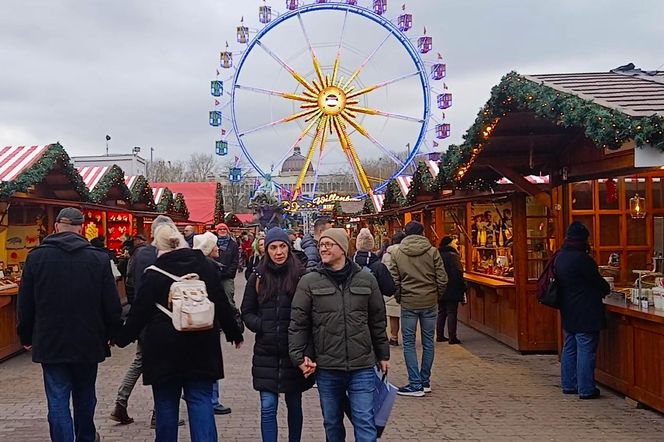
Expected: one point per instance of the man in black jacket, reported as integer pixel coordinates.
(229, 255)
(310, 242)
(68, 310)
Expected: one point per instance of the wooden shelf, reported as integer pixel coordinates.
(488, 280)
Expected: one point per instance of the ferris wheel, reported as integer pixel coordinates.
(341, 83)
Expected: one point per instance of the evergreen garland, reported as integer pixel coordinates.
(422, 184)
(607, 128)
(114, 177)
(53, 157)
(368, 207)
(141, 192)
(180, 206)
(219, 205)
(166, 203)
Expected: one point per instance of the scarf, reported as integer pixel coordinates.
(223, 242)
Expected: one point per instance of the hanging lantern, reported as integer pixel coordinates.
(292, 4)
(242, 32)
(221, 147)
(235, 175)
(438, 71)
(216, 88)
(405, 22)
(442, 131)
(380, 6)
(265, 14)
(215, 118)
(444, 100)
(637, 207)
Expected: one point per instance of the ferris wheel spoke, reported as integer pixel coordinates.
(365, 62)
(283, 64)
(297, 189)
(303, 134)
(372, 88)
(305, 113)
(371, 138)
(370, 111)
(335, 68)
(314, 58)
(347, 146)
(288, 95)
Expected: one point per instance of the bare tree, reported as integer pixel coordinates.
(162, 171)
(237, 193)
(201, 167)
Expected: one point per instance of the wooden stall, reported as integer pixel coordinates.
(35, 183)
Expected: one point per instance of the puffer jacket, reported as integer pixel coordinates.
(271, 368)
(338, 327)
(310, 248)
(418, 273)
(379, 270)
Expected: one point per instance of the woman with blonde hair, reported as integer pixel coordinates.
(259, 251)
(173, 360)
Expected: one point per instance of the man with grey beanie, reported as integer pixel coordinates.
(337, 331)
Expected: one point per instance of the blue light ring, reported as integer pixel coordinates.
(380, 20)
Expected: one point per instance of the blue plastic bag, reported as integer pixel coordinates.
(384, 397)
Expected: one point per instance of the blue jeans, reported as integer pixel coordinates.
(216, 391)
(269, 406)
(358, 385)
(75, 381)
(417, 377)
(577, 363)
(197, 394)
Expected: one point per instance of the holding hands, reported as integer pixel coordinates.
(308, 367)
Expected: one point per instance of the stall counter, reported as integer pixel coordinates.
(9, 342)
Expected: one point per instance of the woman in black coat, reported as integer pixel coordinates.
(581, 289)
(266, 310)
(448, 305)
(259, 251)
(174, 361)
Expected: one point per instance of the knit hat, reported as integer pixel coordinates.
(365, 241)
(220, 225)
(276, 234)
(339, 236)
(446, 241)
(205, 242)
(159, 220)
(414, 228)
(576, 230)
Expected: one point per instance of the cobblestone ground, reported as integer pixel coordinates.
(482, 391)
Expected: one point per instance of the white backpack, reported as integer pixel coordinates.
(192, 310)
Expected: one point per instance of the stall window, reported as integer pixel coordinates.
(636, 231)
(582, 195)
(609, 230)
(540, 236)
(657, 193)
(491, 238)
(608, 191)
(454, 222)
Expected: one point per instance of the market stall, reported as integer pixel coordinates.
(204, 201)
(35, 183)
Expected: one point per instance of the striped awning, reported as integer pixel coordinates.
(130, 180)
(377, 200)
(92, 175)
(157, 193)
(14, 160)
(404, 184)
(533, 179)
(433, 168)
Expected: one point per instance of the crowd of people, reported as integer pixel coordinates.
(320, 315)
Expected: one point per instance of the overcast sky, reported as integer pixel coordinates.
(76, 70)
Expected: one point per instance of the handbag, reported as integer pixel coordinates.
(548, 290)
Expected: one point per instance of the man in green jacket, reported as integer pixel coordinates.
(337, 330)
(419, 274)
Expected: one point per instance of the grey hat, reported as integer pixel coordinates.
(161, 219)
(70, 215)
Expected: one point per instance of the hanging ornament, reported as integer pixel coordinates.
(611, 191)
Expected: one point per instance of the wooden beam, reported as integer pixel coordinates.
(523, 184)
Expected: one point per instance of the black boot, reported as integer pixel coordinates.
(119, 414)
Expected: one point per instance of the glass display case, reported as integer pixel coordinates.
(491, 239)
(540, 236)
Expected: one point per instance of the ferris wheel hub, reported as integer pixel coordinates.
(332, 100)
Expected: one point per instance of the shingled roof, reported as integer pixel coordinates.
(631, 91)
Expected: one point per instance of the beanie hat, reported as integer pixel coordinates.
(205, 242)
(365, 241)
(414, 228)
(159, 220)
(220, 225)
(577, 230)
(447, 240)
(339, 236)
(276, 234)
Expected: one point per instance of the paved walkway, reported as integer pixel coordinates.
(482, 391)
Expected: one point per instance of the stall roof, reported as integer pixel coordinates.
(377, 200)
(15, 160)
(92, 175)
(200, 198)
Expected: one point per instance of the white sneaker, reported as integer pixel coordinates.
(426, 388)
